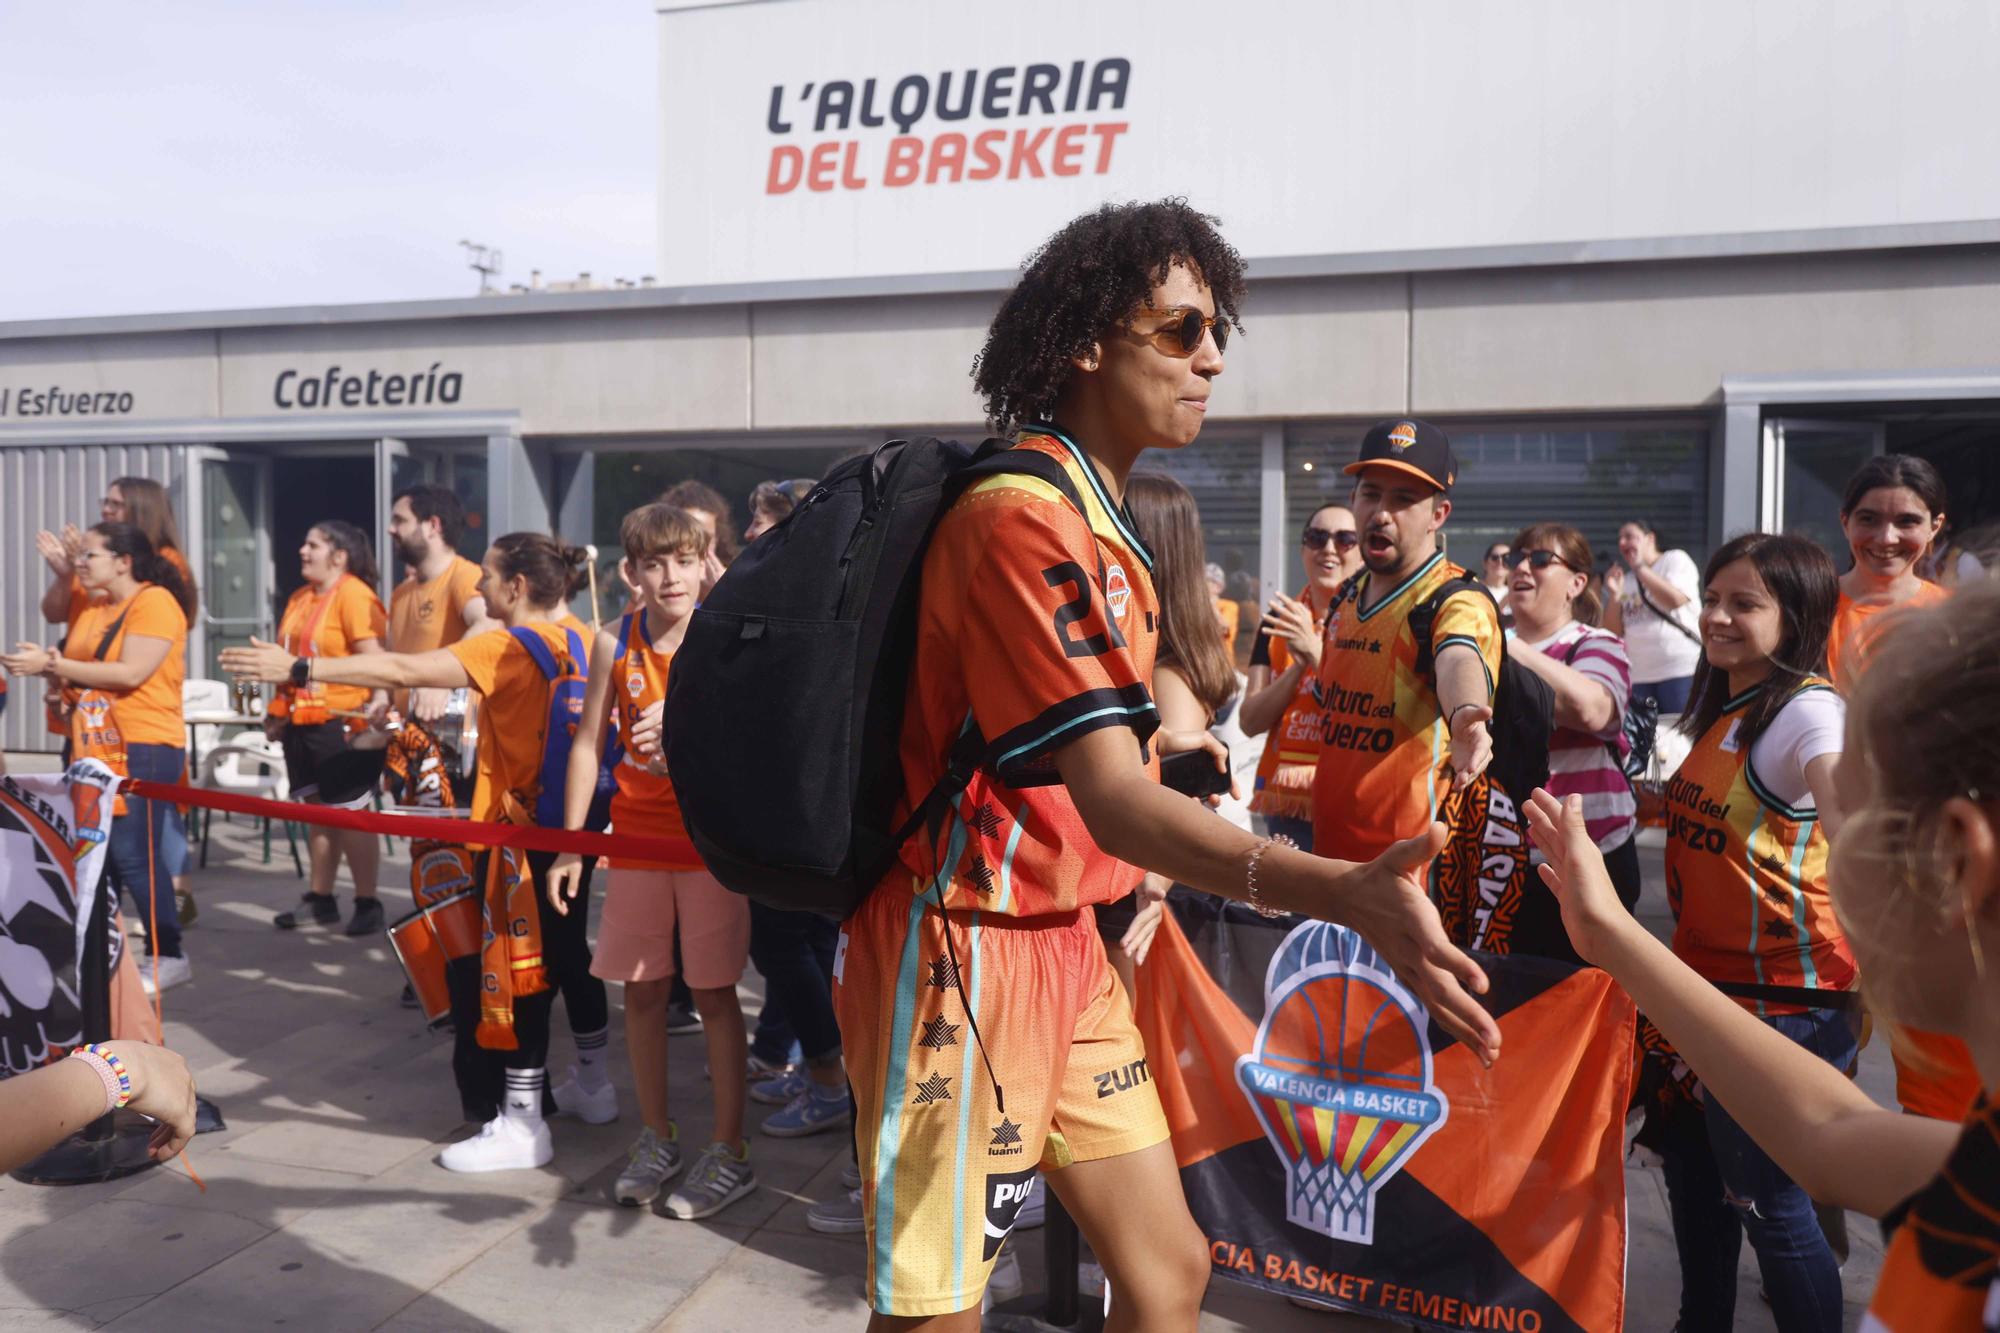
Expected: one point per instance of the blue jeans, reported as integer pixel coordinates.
(1671, 695)
(1721, 1185)
(794, 951)
(148, 877)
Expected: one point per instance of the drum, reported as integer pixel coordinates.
(427, 939)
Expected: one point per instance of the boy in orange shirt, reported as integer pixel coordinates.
(665, 550)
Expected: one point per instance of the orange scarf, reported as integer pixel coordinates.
(510, 961)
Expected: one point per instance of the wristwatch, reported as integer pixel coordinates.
(301, 671)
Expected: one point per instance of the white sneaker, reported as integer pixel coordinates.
(597, 1106)
(173, 971)
(502, 1144)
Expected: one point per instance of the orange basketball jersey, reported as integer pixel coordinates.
(1746, 874)
(1037, 624)
(645, 801)
(1383, 743)
(1291, 747)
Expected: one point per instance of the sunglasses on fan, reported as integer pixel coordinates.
(1534, 559)
(1346, 539)
(1183, 336)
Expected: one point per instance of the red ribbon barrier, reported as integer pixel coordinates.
(472, 833)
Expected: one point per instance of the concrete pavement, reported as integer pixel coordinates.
(325, 1209)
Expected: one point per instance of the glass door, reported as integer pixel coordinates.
(1806, 467)
(230, 509)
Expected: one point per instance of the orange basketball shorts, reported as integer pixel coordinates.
(947, 1159)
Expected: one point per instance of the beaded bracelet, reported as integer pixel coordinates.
(117, 1079)
(1250, 878)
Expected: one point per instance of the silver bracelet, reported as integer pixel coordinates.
(1251, 894)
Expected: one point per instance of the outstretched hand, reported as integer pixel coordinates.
(1575, 873)
(1471, 744)
(1393, 911)
(259, 661)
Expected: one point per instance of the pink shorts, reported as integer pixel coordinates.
(635, 938)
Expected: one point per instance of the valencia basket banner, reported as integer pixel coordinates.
(1336, 1144)
(52, 833)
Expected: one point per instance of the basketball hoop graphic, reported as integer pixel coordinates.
(1340, 1078)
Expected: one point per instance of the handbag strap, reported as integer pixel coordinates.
(104, 644)
(1652, 606)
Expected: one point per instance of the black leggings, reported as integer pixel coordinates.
(481, 1073)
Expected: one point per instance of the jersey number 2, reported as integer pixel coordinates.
(1076, 610)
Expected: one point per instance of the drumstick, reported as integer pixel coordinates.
(590, 564)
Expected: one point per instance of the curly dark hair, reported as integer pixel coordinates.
(1081, 283)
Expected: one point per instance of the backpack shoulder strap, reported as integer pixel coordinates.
(538, 649)
(1423, 616)
(574, 641)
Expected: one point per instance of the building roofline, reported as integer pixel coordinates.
(1975, 232)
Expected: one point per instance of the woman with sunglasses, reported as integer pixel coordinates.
(1556, 637)
(1494, 572)
(1278, 704)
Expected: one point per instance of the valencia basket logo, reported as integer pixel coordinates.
(1340, 1078)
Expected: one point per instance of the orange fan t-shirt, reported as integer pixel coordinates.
(1940, 1082)
(1847, 645)
(1384, 749)
(1291, 747)
(1040, 624)
(645, 802)
(427, 614)
(514, 703)
(329, 626)
(150, 714)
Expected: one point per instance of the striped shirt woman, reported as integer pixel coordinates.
(1550, 595)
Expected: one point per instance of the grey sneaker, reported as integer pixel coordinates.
(838, 1216)
(719, 1179)
(654, 1161)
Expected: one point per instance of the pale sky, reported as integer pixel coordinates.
(205, 155)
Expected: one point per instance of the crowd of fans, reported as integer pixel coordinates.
(1749, 662)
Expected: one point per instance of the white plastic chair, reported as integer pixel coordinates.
(200, 695)
(254, 766)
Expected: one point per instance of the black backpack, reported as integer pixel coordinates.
(1524, 707)
(785, 703)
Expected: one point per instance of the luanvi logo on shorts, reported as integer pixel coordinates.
(1113, 1081)
(1340, 1077)
(1006, 1140)
(936, 1088)
(1006, 1191)
(939, 1034)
